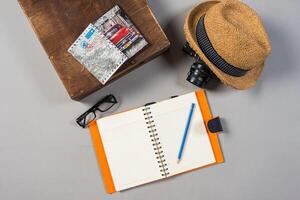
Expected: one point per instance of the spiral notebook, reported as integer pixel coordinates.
(141, 145)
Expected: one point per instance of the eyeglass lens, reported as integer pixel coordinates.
(103, 106)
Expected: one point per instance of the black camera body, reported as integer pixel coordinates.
(199, 73)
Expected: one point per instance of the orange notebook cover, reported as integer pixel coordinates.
(122, 149)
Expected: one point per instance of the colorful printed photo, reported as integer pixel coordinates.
(118, 28)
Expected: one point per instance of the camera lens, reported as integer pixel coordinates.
(199, 74)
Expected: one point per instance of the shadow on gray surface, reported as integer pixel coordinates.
(213, 84)
(174, 33)
(224, 126)
(175, 57)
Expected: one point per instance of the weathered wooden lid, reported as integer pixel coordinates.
(58, 24)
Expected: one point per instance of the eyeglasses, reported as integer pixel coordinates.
(101, 106)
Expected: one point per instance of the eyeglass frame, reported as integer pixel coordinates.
(95, 108)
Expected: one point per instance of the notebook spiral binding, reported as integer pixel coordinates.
(156, 142)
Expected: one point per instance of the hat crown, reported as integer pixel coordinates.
(237, 34)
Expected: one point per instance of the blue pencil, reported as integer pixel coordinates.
(186, 131)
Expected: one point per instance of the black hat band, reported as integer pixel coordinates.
(211, 53)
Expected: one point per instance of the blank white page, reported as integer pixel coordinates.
(170, 118)
(128, 149)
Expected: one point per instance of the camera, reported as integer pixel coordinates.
(199, 73)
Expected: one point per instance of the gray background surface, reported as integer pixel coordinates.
(44, 155)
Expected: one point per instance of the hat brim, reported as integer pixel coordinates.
(243, 82)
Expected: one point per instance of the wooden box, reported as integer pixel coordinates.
(58, 23)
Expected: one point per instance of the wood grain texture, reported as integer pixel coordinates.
(58, 23)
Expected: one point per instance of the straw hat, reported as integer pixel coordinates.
(230, 38)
